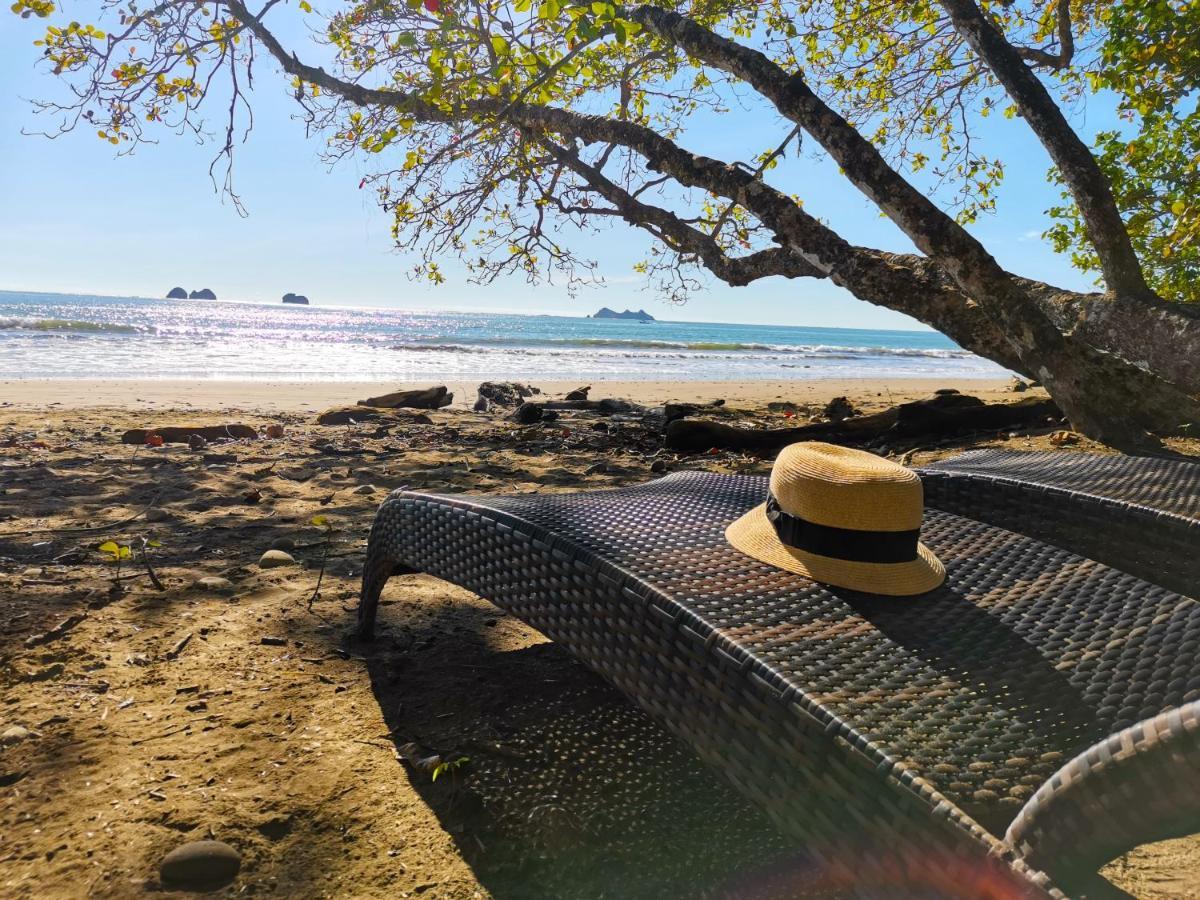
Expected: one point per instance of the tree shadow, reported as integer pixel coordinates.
(570, 790)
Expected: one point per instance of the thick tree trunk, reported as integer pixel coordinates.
(1143, 378)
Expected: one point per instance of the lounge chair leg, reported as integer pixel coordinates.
(375, 575)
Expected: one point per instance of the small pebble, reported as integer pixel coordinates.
(365, 489)
(274, 559)
(284, 543)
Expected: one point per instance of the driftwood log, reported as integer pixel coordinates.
(349, 415)
(425, 398)
(939, 416)
(172, 434)
(607, 407)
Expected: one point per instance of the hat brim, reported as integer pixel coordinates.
(754, 535)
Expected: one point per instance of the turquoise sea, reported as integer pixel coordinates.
(80, 336)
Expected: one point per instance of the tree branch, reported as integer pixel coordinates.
(1088, 186)
(1066, 43)
(905, 283)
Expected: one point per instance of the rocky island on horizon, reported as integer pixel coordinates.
(178, 293)
(605, 313)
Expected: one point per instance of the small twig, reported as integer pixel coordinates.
(150, 571)
(163, 735)
(179, 645)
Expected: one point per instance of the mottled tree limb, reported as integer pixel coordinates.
(1087, 184)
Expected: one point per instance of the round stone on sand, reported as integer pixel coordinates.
(274, 559)
(14, 734)
(200, 864)
(365, 489)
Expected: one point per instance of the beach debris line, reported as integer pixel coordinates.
(504, 393)
(839, 408)
(944, 414)
(182, 434)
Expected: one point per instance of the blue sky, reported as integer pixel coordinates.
(76, 218)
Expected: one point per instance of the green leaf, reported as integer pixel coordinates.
(110, 547)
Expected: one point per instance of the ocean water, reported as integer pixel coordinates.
(78, 336)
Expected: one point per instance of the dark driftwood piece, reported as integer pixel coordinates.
(348, 415)
(179, 434)
(605, 407)
(942, 415)
(425, 398)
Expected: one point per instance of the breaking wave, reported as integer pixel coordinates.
(57, 326)
(823, 351)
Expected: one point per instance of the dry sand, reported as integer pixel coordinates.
(309, 396)
(238, 708)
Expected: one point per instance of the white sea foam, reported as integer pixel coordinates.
(78, 336)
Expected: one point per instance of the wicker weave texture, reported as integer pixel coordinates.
(857, 810)
(850, 718)
(1137, 786)
(1134, 514)
(1169, 485)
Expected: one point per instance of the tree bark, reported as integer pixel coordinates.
(1088, 185)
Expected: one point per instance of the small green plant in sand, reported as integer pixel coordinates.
(321, 522)
(117, 553)
(449, 768)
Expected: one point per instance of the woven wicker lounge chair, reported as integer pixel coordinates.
(1140, 515)
(1005, 734)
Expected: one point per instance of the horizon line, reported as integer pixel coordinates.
(472, 310)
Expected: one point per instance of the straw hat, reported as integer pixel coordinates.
(842, 517)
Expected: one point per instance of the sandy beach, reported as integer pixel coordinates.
(231, 703)
(310, 396)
